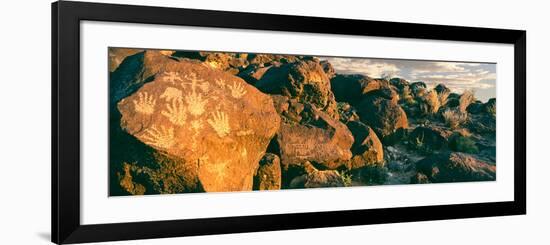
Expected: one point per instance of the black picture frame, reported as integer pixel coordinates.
(66, 18)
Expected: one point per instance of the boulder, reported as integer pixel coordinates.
(366, 149)
(316, 138)
(268, 176)
(213, 126)
(253, 73)
(347, 113)
(399, 83)
(328, 68)
(442, 89)
(229, 62)
(117, 55)
(303, 80)
(418, 88)
(476, 107)
(455, 167)
(314, 178)
(385, 117)
(271, 59)
(353, 88)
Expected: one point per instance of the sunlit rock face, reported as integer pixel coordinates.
(212, 125)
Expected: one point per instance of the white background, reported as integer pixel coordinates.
(25, 106)
(97, 207)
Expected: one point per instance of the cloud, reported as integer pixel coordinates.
(458, 76)
(364, 66)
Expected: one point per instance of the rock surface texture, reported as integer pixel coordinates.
(214, 125)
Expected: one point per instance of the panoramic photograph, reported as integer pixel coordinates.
(184, 121)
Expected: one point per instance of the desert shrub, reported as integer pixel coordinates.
(491, 109)
(443, 97)
(407, 95)
(346, 178)
(465, 100)
(373, 175)
(417, 144)
(453, 118)
(432, 100)
(462, 144)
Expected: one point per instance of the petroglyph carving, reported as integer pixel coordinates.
(171, 93)
(218, 169)
(162, 138)
(172, 77)
(220, 82)
(145, 103)
(196, 103)
(245, 133)
(220, 123)
(237, 90)
(176, 112)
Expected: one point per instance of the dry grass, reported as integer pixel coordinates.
(465, 100)
(443, 98)
(453, 118)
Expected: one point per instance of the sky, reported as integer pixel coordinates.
(479, 77)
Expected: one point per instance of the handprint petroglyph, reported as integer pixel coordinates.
(197, 125)
(176, 112)
(145, 103)
(220, 123)
(220, 82)
(172, 77)
(237, 90)
(195, 103)
(160, 137)
(171, 93)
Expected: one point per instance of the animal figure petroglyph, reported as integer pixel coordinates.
(176, 112)
(145, 103)
(160, 137)
(220, 123)
(171, 93)
(245, 133)
(172, 77)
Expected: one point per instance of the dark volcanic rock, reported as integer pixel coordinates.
(366, 149)
(399, 83)
(212, 127)
(353, 88)
(303, 80)
(385, 116)
(314, 178)
(268, 176)
(328, 68)
(253, 73)
(317, 138)
(117, 55)
(455, 167)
